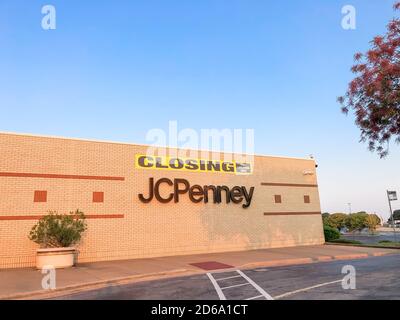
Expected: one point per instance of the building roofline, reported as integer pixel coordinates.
(142, 145)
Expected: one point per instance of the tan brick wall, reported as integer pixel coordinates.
(147, 230)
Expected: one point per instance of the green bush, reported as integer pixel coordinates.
(58, 230)
(389, 244)
(331, 233)
(386, 241)
(346, 241)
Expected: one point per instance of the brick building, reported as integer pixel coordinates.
(139, 207)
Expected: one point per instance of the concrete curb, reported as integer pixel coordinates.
(277, 263)
(325, 258)
(379, 254)
(300, 261)
(352, 256)
(41, 294)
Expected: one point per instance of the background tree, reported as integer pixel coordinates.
(371, 222)
(356, 221)
(374, 94)
(325, 218)
(336, 220)
(396, 216)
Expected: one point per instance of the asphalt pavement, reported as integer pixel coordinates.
(375, 278)
(373, 239)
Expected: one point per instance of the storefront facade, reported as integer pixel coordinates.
(141, 206)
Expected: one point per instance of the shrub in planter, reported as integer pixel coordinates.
(331, 233)
(56, 234)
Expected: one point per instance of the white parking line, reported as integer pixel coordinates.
(249, 282)
(256, 297)
(219, 279)
(255, 285)
(236, 285)
(216, 286)
(305, 289)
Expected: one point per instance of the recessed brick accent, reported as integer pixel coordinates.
(307, 199)
(87, 216)
(292, 213)
(278, 198)
(98, 197)
(40, 196)
(298, 185)
(58, 176)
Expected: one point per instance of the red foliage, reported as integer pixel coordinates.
(374, 94)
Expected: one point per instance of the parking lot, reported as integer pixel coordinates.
(376, 278)
(373, 239)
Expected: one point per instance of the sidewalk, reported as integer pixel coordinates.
(26, 283)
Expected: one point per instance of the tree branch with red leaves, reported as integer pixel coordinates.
(374, 94)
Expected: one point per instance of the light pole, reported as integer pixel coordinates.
(349, 204)
(392, 196)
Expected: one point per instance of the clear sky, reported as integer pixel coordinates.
(113, 70)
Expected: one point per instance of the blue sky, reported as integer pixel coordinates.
(115, 69)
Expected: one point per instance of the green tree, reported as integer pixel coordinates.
(325, 218)
(336, 220)
(356, 221)
(372, 221)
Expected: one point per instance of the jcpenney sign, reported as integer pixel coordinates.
(197, 193)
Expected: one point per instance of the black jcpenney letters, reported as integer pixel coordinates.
(196, 193)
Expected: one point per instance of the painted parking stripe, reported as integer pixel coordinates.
(287, 294)
(216, 286)
(236, 285)
(256, 297)
(220, 279)
(255, 285)
(221, 295)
